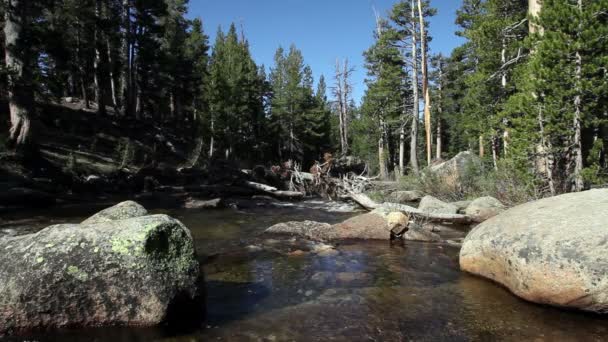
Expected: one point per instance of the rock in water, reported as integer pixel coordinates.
(368, 226)
(121, 211)
(135, 271)
(430, 204)
(551, 251)
(484, 208)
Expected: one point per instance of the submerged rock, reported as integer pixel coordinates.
(551, 251)
(430, 204)
(484, 208)
(106, 271)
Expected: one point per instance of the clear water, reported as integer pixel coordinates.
(258, 289)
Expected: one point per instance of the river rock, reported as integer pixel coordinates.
(209, 204)
(134, 271)
(121, 211)
(430, 204)
(552, 251)
(484, 208)
(368, 226)
(405, 197)
(397, 222)
(418, 233)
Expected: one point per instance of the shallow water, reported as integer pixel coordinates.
(258, 289)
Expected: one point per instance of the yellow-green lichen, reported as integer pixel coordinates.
(77, 273)
(39, 260)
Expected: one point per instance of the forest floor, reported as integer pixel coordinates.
(80, 153)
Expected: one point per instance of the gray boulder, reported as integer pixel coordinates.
(121, 211)
(370, 226)
(134, 271)
(405, 197)
(418, 233)
(430, 204)
(484, 208)
(461, 205)
(552, 251)
(452, 171)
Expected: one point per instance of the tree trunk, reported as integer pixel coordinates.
(97, 74)
(545, 149)
(439, 112)
(482, 152)
(425, 86)
(495, 152)
(402, 150)
(415, 97)
(17, 56)
(125, 76)
(578, 184)
(212, 134)
(81, 69)
(381, 151)
(534, 8)
(112, 76)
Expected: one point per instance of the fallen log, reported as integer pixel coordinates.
(369, 204)
(270, 190)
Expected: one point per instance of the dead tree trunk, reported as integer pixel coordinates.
(17, 56)
(342, 92)
(415, 95)
(425, 85)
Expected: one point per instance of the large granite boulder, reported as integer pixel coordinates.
(133, 271)
(484, 208)
(452, 171)
(430, 204)
(552, 251)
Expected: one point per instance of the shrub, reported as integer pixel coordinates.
(508, 183)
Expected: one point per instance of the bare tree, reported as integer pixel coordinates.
(342, 91)
(415, 95)
(17, 56)
(425, 85)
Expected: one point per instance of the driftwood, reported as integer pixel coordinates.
(369, 204)
(270, 190)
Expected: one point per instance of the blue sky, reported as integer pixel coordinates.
(323, 29)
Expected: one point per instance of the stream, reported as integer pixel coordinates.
(269, 288)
